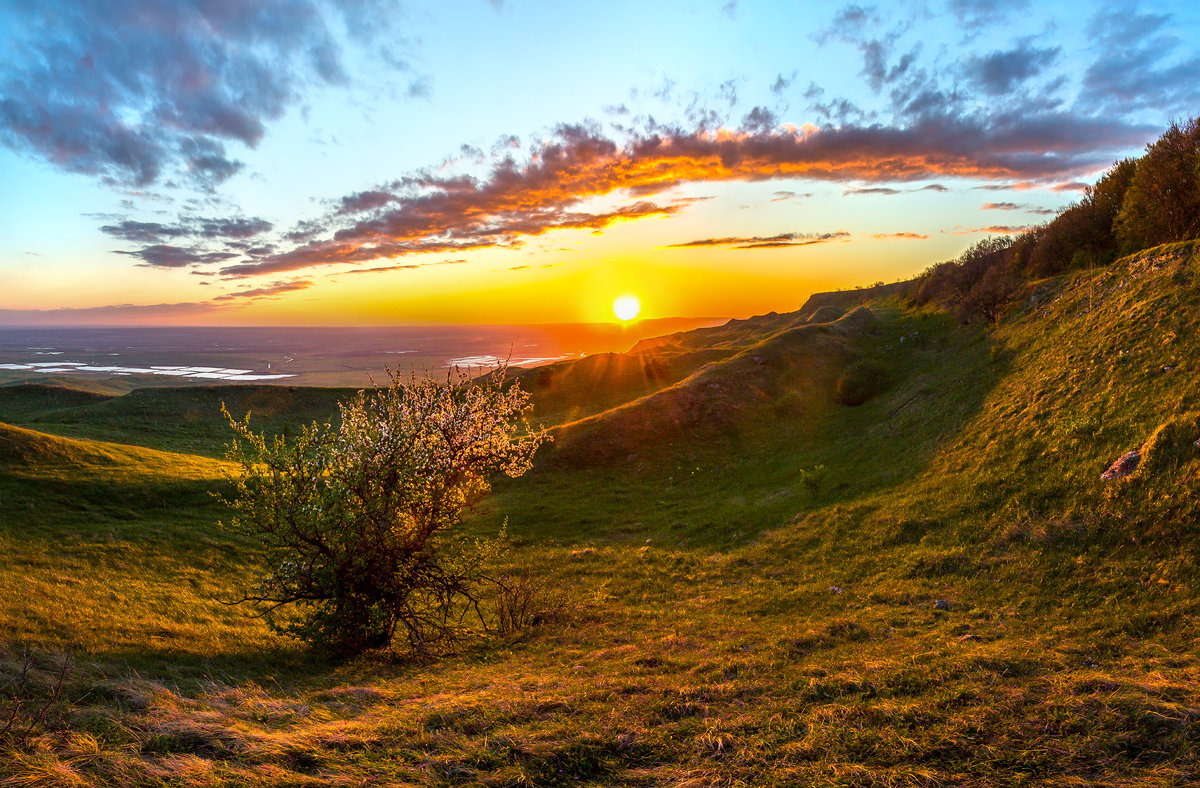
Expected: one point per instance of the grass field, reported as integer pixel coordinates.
(761, 586)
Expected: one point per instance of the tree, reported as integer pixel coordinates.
(1162, 203)
(1082, 234)
(358, 520)
(991, 295)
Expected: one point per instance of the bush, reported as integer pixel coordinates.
(32, 695)
(358, 520)
(860, 381)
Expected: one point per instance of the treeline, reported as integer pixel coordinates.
(1137, 204)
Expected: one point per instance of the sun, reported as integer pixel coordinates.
(626, 307)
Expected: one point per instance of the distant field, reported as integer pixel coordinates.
(121, 359)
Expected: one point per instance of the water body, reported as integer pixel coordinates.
(143, 355)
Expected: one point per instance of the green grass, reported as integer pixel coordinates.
(752, 593)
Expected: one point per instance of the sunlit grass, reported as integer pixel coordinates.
(737, 617)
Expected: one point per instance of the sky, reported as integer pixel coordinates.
(301, 162)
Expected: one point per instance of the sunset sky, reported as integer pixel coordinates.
(519, 161)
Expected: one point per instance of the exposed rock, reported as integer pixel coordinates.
(941, 604)
(1126, 464)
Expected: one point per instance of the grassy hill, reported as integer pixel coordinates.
(834, 547)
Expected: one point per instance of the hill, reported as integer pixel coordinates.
(857, 544)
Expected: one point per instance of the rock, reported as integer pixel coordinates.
(1125, 465)
(835, 590)
(941, 604)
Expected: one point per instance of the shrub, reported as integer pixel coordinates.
(859, 382)
(813, 480)
(32, 695)
(358, 520)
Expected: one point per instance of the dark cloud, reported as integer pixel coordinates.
(850, 21)
(871, 190)
(978, 13)
(421, 87)
(759, 119)
(781, 196)
(143, 232)
(933, 187)
(899, 236)
(1012, 206)
(765, 242)
(229, 229)
(1142, 65)
(365, 201)
(266, 291)
(998, 73)
(167, 256)
(1002, 229)
(782, 83)
(113, 314)
(132, 90)
(405, 267)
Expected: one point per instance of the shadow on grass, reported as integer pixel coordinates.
(722, 486)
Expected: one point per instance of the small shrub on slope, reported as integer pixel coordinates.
(861, 381)
(359, 520)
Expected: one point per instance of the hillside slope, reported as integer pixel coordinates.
(752, 579)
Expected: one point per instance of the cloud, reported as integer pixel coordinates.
(888, 190)
(143, 232)
(365, 201)
(133, 314)
(114, 314)
(133, 90)
(1002, 206)
(435, 212)
(406, 267)
(765, 242)
(855, 190)
(978, 13)
(266, 291)
(238, 228)
(1001, 229)
(1000, 72)
(901, 235)
(1142, 65)
(167, 256)
(782, 83)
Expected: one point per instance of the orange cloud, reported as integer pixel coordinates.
(902, 235)
(429, 212)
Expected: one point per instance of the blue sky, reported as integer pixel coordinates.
(195, 162)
